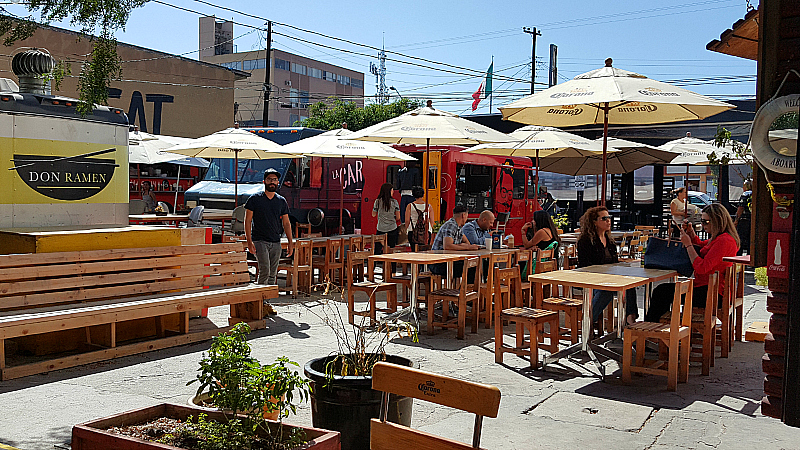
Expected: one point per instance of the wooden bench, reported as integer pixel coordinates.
(103, 304)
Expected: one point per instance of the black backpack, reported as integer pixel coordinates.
(419, 234)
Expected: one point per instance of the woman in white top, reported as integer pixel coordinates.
(413, 213)
(678, 206)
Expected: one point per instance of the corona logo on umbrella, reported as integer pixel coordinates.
(66, 178)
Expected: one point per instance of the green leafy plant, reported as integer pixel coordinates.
(360, 345)
(761, 276)
(98, 21)
(237, 383)
(561, 221)
(437, 225)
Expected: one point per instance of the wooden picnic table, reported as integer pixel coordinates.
(608, 277)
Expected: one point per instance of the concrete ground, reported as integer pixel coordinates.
(563, 407)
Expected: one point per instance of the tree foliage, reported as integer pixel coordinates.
(98, 21)
(329, 116)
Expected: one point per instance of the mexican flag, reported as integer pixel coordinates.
(485, 89)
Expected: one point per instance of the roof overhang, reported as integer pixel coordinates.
(740, 40)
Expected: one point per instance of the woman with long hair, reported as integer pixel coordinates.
(596, 246)
(387, 210)
(724, 242)
(542, 232)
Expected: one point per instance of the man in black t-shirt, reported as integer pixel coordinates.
(266, 218)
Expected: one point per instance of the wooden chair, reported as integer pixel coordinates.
(487, 292)
(467, 292)
(370, 287)
(332, 261)
(300, 264)
(302, 229)
(525, 256)
(725, 330)
(573, 308)
(523, 317)
(675, 335)
(738, 302)
(356, 244)
(376, 240)
(704, 322)
(480, 399)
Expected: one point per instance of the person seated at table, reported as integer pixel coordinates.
(724, 242)
(478, 230)
(450, 237)
(596, 246)
(540, 232)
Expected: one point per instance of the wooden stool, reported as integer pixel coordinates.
(523, 317)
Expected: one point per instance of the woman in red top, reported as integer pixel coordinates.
(724, 242)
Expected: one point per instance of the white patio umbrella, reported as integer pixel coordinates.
(146, 148)
(428, 126)
(692, 151)
(610, 95)
(336, 144)
(562, 152)
(233, 143)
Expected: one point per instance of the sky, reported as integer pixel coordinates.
(664, 40)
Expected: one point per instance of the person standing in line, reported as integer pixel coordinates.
(743, 213)
(149, 197)
(387, 210)
(266, 217)
(415, 212)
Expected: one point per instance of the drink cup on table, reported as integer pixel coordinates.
(488, 243)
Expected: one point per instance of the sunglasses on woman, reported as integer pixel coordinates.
(705, 221)
(605, 218)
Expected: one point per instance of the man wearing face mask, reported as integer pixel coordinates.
(266, 217)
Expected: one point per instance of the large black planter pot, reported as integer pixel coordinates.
(347, 404)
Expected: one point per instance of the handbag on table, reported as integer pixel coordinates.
(668, 254)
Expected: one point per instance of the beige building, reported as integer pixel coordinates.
(296, 81)
(161, 93)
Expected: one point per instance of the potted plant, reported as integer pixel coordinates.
(561, 221)
(240, 387)
(342, 398)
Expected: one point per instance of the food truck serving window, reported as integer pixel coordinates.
(474, 187)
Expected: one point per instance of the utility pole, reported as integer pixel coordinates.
(533, 32)
(267, 85)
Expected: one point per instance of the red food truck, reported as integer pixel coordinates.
(314, 187)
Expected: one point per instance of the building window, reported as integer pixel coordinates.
(253, 64)
(330, 76)
(282, 64)
(299, 68)
(356, 83)
(304, 99)
(316, 73)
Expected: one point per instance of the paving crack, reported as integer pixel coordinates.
(526, 411)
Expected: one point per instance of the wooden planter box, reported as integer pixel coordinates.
(92, 435)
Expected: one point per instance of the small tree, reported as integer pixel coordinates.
(98, 20)
(331, 115)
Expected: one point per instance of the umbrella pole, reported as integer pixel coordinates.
(605, 155)
(536, 180)
(686, 185)
(235, 178)
(341, 197)
(178, 183)
(426, 163)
